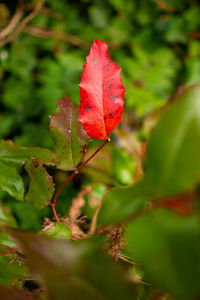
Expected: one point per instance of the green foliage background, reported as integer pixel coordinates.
(156, 45)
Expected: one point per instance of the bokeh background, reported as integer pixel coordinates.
(155, 42)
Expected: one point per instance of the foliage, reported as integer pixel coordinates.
(129, 223)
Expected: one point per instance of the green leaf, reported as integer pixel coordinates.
(121, 203)
(174, 146)
(166, 246)
(123, 166)
(41, 187)
(11, 182)
(76, 270)
(27, 215)
(12, 152)
(6, 218)
(59, 231)
(69, 137)
(173, 161)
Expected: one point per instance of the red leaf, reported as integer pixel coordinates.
(101, 93)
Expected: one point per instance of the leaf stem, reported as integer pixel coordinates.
(53, 203)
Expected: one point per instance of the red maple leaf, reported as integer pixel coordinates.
(101, 93)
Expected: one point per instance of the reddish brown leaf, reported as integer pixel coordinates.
(69, 137)
(101, 93)
(182, 204)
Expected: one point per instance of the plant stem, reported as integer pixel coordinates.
(53, 203)
(12, 248)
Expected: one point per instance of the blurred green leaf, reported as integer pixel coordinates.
(173, 148)
(26, 214)
(16, 93)
(6, 217)
(167, 248)
(123, 166)
(12, 152)
(173, 162)
(69, 137)
(6, 124)
(78, 271)
(122, 203)
(11, 182)
(41, 186)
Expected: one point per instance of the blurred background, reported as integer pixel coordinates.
(155, 42)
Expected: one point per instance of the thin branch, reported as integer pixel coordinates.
(14, 21)
(94, 222)
(53, 203)
(43, 32)
(12, 248)
(23, 23)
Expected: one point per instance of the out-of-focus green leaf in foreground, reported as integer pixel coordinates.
(76, 270)
(173, 151)
(173, 160)
(167, 247)
(11, 181)
(41, 187)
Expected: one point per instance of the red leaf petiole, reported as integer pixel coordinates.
(53, 203)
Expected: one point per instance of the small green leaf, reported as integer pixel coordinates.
(173, 152)
(12, 152)
(69, 137)
(166, 246)
(59, 231)
(6, 217)
(41, 187)
(11, 182)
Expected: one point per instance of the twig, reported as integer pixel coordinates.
(77, 204)
(24, 279)
(94, 222)
(14, 21)
(23, 23)
(43, 32)
(12, 248)
(53, 203)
